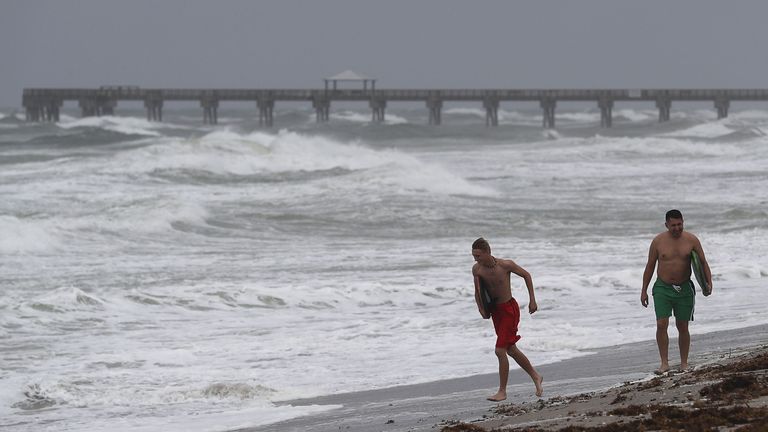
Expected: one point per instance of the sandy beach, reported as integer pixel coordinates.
(613, 385)
(728, 389)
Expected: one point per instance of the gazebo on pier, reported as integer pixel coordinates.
(378, 104)
(349, 75)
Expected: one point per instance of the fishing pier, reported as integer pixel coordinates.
(44, 104)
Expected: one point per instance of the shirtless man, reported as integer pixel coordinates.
(505, 313)
(673, 290)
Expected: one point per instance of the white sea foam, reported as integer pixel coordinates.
(228, 152)
(350, 116)
(600, 146)
(505, 116)
(147, 217)
(22, 236)
(217, 406)
(124, 125)
(635, 115)
(64, 299)
(747, 115)
(578, 117)
(408, 173)
(232, 419)
(708, 130)
(476, 112)
(356, 117)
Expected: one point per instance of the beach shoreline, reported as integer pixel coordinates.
(729, 389)
(447, 403)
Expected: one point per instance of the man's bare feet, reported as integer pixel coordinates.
(498, 397)
(539, 389)
(662, 370)
(684, 367)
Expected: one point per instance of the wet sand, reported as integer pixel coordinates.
(727, 389)
(580, 388)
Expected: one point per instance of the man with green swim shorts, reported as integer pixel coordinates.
(673, 292)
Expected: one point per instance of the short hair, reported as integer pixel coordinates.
(674, 214)
(481, 244)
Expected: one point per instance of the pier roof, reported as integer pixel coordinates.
(349, 75)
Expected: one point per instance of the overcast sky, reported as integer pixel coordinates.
(408, 43)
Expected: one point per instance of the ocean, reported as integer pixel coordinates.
(178, 276)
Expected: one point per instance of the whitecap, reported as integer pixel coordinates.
(635, 115)
(64, 299)
(356, 117)
(123, 125)
(144, 217)
(578, 117)
(227, 152)
(476, 112)
(506, 116)
(707, 130)
(236, 391)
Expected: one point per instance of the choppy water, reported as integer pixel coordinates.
(163, 275)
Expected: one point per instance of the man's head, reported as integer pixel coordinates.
(674, 223)
(481, 250)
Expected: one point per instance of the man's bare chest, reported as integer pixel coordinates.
(674, 252)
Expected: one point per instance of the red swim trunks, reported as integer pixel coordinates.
(506, 317)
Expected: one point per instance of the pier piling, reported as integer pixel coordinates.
(548, 107)
(664, 104)
(210, 105)
(491, 105)
(435, 106)
(266, 107)
(322, 106)
(721, 105)
(606, 111)
(378, 107)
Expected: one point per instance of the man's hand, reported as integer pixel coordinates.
(532, 306)
(644, 298)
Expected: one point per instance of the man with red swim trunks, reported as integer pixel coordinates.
(494, 273)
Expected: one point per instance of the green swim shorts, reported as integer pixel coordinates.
(678, 298)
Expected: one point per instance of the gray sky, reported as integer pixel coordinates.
(402, 43)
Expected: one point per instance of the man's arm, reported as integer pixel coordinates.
(704, 264)
(653, 257)
(516, 269)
